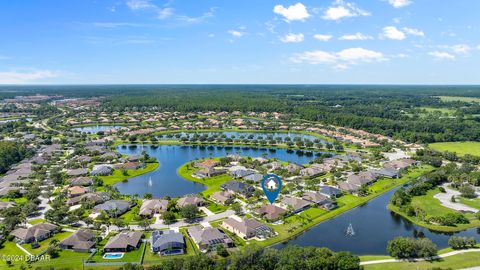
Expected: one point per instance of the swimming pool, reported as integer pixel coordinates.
(112, 256)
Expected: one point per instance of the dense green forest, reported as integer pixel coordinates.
(11, 153)
(390, 110)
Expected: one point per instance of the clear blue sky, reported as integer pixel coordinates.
(247, 41)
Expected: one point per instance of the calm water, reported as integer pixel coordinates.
(95, 129)
(166, 181)
(374, 226)
(253, 135)
(373, 223)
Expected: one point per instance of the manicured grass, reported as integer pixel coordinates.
(152, 258)
(118, 176)
(131, 256)
(367, 258)
(441, 110)
(454, 262)
(433, 207)
(461, 148)
(216, 208)
(44, 244)
(17, 200)
(296, 224)
(36, 221)
(475, 203)
(213, 183)
(462, 99)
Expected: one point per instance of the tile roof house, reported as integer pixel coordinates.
(77, 172)
(387, 172)
(80, 241)
(190, 200)
(114, 208)
(248, 228)
(348, 187)
(167, 242)
(241, 173)
(297, 204)
(94, 198)
(362, 178)
(270, 212)
(255, 177)
(81, 181)
(221, 196)
(208, 238)
(76, 191)
(239, 188)
(35, 233)
(319, 199)
(154, 206)
(208, 163)
(101, 170)
(330, 191)
(123, 242)
(208, 172)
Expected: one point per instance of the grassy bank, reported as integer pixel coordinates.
(118, 176)
(433, 207)
(459, 261)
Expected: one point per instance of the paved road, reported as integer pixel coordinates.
(452, 253)
(43, 206)
(446, 200)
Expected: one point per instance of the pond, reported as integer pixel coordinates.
(165, 180)
(249, 135)
(95, 129)
(374, 225)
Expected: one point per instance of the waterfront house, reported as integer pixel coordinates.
(123, 242)
(319, 199)
(330, 191)
(167, 242)
(270, 212)
(296, 204)
(101, 170)
(247, 228)
(209, 238)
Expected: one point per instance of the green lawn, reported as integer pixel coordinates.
(36, 221)
(213, 183)
(461, 148)
(131, 256)
(433, 207)
(475, 203)
(44, 244)
(118, 176)
(447, 111)
(17, 200)
(216, 208)
(454, 262)
(296, 224)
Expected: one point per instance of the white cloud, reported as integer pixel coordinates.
(236, 33)
(356, 36)
(164, 13)
(391, 32)
(322, 37)
(442, 55)
(461, 48)
(341, 9)
(194, 20)
(297, 12)
(339, 60)
(139, 4)
(413, 32)
(27, 76)
(399, 3)
(292, 38)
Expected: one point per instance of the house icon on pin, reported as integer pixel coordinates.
(272, 185)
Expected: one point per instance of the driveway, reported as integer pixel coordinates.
(446, 200)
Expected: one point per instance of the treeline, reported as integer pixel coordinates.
(11, 153)
(256, 258)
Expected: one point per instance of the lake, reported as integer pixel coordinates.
(166, 181)
(373, 223)
(251, 135)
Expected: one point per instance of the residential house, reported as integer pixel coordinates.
(270, 212)
(81, 181)
(387, 172)
(247, 228)
(208, 172)
(101, 170)
(293, 167)
(190, 199)
(255, 177)
(239, 188)
(222, 196)
(123, 242)
(296, 204)
(76, 191)
(94, 198)
(77, 172)
(330, 191)
(362, 178)
(154, 206)
(81, 240)
(209, 238)
(319, 199)
(114, 208)
(208, 163)
(167, 242)
(241, 173)
(35, 233)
